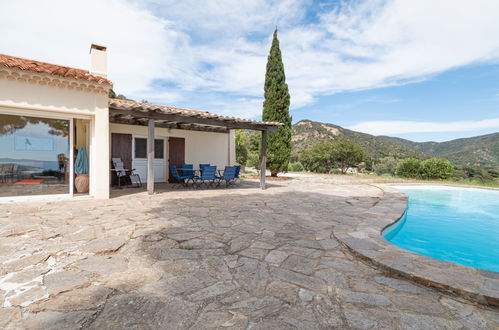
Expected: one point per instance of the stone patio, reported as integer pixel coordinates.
(238, 258)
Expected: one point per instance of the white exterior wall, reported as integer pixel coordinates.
(42, 95)
(200, 147)
(45, 95)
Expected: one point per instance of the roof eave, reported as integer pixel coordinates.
(165, 113)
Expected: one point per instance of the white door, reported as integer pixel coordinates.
(139, 159)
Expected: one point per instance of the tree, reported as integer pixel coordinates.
(12, 123)
(242, 142)
(409, 168)
(254, 161)
(320, 158)
(254, 142)
(324, 157)
(254, 150)
(436, 168)
(347, 154)
(386, 165)
(112, 95)
(276, 108)
(368, 162)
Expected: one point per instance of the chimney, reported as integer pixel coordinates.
(98, 60)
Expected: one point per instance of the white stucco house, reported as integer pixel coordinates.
(49, 112)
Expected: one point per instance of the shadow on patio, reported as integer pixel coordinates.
(176, 187)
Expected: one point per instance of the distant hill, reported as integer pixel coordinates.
(480, 151)
(307, 133)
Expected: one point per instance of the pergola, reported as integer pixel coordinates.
(151, 115)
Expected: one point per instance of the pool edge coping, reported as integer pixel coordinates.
(364, 239)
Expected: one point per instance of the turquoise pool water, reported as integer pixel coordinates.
(459, 225)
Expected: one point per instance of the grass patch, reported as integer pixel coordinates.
(467, 182)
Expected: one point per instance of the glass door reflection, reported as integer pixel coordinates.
(34, 156)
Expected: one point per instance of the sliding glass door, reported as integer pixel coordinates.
(35, 156)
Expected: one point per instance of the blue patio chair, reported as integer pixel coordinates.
(229, 175)
(208, 176)
(202, 166)
(238, 171)
(188, 170)
(180, 178)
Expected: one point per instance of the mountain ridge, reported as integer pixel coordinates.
(478, 151)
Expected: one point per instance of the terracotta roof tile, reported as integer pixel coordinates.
(52, 69)
(163, 107)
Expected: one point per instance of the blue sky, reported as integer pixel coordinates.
(422, 70)
(467, 94)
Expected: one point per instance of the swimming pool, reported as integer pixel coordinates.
(459, 225)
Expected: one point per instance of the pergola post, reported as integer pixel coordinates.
(150, 157)
(263, 164)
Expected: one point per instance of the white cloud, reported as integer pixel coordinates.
(361, 101)
(382, 43)
(141, 46)
(192, 51)
(404, 127)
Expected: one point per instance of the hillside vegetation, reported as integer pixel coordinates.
(480, 151)
(306, 133)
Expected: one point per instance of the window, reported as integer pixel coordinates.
(34, 156)
(159, 149)
(141, 148)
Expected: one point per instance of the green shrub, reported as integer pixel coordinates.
(459, 174)
(386, 165)
(494, 173)
(295, 167)
(368, 164)
(319, 158)
(436, 168)
(348, 154)
(409, 168)
(254, 160)
(242, 142)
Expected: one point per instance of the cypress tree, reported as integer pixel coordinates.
(276, 108)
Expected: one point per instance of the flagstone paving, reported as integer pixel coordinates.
(238, 258)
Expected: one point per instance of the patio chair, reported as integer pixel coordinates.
(188, 170)
(238, 171)
(2, 172)
(125, 175)
(229, 175)
(208, 176)
(16, 171)
(202, 166)
(183, 179)
(7, 172)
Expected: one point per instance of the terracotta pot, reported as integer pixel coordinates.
(81, 183)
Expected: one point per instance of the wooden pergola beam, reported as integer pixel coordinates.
(150, 157)
(191, 127)
(189, 121)
(230, 124)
